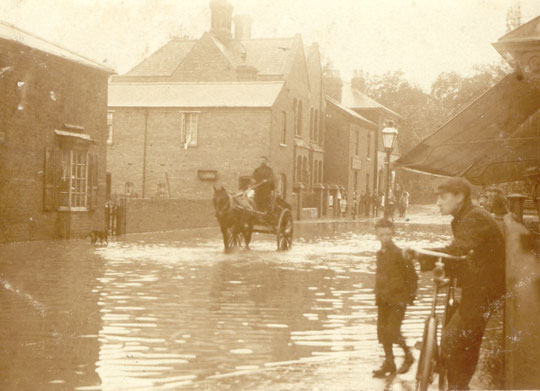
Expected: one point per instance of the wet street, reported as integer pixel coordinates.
(171, 311)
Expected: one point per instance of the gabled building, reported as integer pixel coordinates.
(53, 132)
(347, 97)
(350, 149)
(356, 100)
(198, 113)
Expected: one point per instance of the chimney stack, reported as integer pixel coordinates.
(221, 20)
(333, 84)
(242, 26)
(358, 82)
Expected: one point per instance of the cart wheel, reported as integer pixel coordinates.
(428, 355)
(234, 239)
(284, 231)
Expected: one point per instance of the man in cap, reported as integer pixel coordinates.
(481, 276)
(263, 176)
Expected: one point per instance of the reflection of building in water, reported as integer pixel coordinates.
(50, 317)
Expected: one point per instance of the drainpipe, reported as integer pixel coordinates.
(144, 153)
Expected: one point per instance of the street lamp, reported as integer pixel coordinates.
(389, 137)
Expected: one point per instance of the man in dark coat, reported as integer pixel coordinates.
(265, 183)
(481, 276)
(395, 288)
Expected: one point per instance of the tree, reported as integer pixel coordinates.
(424, 113)
(453, 91)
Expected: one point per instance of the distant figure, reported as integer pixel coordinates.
(343, 206)
(362, 204)
(354, 210)
(395, 287)
(367, 203)
(404, 203)
(391, 204)
(265, 183)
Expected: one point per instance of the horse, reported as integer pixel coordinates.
(234, 218)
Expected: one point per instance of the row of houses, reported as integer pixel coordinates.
(192, 115)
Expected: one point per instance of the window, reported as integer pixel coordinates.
(305, 170)
(283, 140)
(189, 129)
(320, 172)
(367, 183)
(299, 169)
(295, 116)
(282, 186)
(321, 128)
(316, 126)
(299, 119)
(70, 179)
(315, 171)
(110, 127)
(355, 180)
(357, 145)
(368, 145)
(311, 177)
(311, 124)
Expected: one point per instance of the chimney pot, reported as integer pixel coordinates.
(242, 26)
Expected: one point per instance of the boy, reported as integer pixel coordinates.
(395, 287)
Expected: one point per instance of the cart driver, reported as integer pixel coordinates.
(264, 185)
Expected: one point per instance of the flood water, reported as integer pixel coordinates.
(171, 310)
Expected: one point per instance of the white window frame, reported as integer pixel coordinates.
(110, 128)
(193, 139)
(283, 135)
(74, 173)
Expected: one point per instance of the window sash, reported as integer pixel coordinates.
(189, 129)
(73, 178)
(110, 128)
(284, 128)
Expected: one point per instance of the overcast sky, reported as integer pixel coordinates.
(420, 37)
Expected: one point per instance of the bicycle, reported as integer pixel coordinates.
(431, 360)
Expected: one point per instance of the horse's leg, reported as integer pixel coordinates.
(248, 230)
(223, 228)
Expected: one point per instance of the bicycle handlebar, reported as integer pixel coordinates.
(438, 254)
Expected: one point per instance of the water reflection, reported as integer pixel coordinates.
(167, 310)
(50, 318)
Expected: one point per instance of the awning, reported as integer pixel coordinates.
(79, 136)
(492, 140)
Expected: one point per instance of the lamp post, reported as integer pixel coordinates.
(389, 137)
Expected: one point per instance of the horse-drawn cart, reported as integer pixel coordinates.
(238, 219)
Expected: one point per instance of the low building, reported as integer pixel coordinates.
(53, 132)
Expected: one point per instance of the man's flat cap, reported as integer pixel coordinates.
(455, 185)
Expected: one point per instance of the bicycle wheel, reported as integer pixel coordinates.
(428, 355)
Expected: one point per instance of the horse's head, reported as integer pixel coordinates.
(222, 200)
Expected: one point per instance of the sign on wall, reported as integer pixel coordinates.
(356, 163)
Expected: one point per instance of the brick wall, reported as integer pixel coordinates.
(205, 62)
(230, 141)
(147, 215)
(40, 93)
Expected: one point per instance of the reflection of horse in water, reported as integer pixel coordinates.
(237, 216)
(234, 217)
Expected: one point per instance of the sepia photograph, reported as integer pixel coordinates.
(269, 195)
